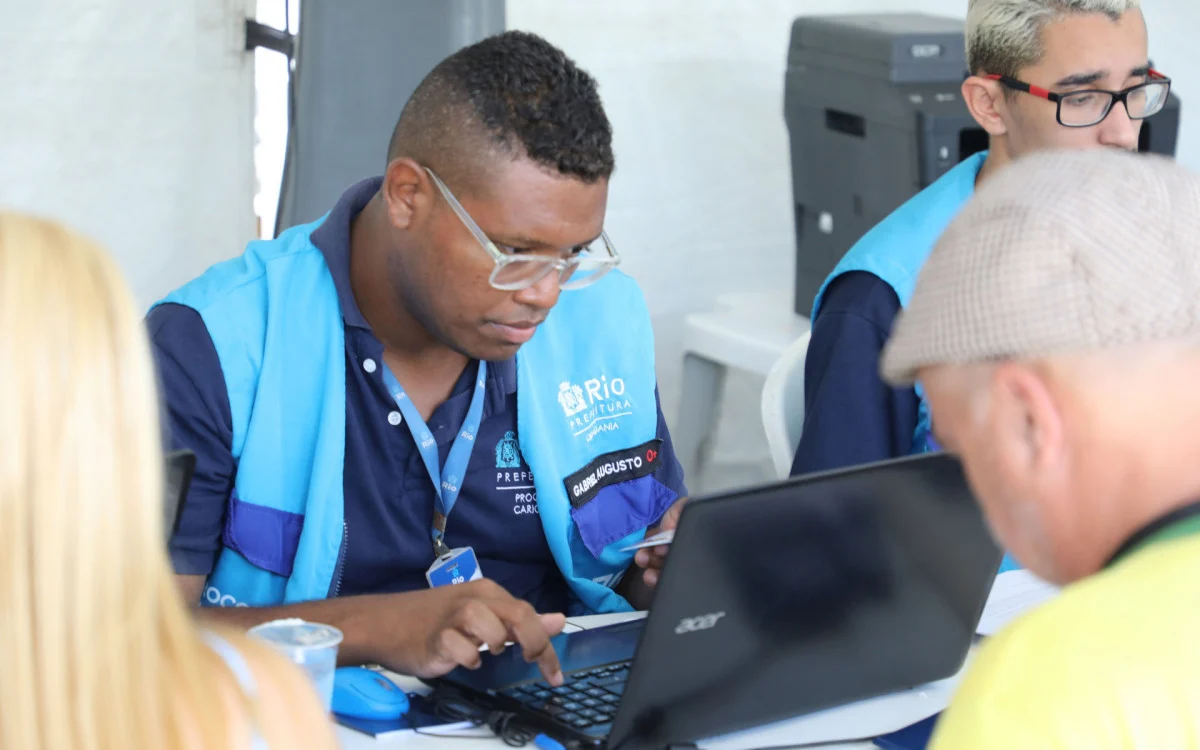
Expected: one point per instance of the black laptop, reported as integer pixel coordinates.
(775, 601)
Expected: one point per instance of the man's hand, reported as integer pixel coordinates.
(652, 559)
(423, 633)
(434, 631)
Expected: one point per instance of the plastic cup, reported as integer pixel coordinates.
(309, 645)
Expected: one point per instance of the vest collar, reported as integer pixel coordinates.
(332, 238)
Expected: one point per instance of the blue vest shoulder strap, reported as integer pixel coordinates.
(896, 248)
(586, 389)
(274, 319)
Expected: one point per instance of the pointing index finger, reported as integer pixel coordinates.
(530, 632)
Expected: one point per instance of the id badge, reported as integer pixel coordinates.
(456, 566)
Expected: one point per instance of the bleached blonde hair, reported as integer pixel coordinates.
(1004, 36)
(98, 651)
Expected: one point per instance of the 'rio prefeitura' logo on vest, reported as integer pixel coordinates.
(596, 407)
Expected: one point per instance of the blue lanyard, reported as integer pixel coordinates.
(447, 481)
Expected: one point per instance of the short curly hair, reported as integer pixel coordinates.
(514, 93)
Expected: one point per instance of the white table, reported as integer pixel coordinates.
(744, 331)
(866, 718)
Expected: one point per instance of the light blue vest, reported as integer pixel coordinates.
(896, 248)
(586, 387)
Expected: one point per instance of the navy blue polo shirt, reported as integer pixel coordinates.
(851, 416)
(389, 497)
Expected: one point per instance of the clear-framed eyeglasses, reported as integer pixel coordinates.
(586, 265)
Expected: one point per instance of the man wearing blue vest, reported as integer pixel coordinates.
(1045, 74)
(431, 414)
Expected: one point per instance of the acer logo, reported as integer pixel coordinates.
(695, 624)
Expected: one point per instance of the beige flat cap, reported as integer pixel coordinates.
(1059, 252)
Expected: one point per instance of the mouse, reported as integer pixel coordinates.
(366, 694)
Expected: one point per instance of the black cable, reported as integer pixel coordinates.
(820, 743)
(290, 140)
(503, 724)
(454, 735)
(804, 746)
(507, 726)
(510, 729)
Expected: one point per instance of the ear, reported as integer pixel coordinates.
(985, 101)
(1027, 423)
(406, 192)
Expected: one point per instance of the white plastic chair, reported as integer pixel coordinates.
(783, 404)
(745, 331)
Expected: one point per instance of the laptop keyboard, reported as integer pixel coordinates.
(585, 700)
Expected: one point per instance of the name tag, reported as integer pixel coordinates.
(457, 566)
(612, 468)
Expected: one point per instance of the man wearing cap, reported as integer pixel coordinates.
(1056, 331)
(1045, 74)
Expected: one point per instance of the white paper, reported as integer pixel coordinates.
(665, 537)
(1014, 593)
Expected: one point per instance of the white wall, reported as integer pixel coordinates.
(132, 121)
(701, 200)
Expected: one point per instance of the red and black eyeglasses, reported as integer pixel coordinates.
(1088, 107)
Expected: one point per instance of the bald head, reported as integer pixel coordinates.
(510, 96)
(1072, 453)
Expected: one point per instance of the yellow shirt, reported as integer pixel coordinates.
(1112, 662)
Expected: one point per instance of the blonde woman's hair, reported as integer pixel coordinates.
(97, 650)
(1004, 36)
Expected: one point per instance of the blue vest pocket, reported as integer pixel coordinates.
(266, 537)
(617, 510)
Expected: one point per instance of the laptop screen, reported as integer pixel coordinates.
(811, 593)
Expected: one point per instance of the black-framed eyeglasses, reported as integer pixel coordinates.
(1088, 107)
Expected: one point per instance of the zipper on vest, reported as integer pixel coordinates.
(340, 568)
